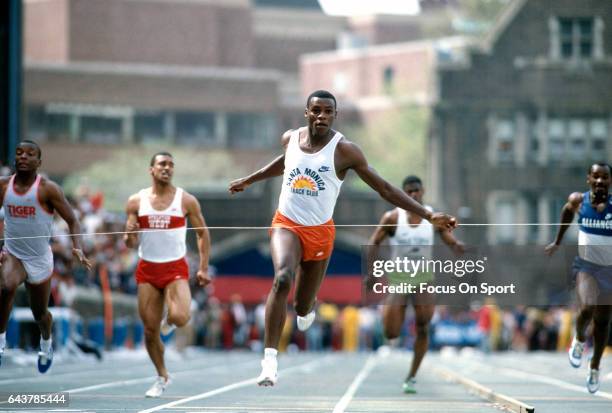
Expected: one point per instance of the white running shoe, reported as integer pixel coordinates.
(158, 387)
(45, 359)
(166, 328)
(575, 353)
(592, 381)
(269, 375)
(303, 323)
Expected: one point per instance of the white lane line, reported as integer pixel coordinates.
(151, 378)
(111, 384)
(233, 386)
(350, 392)
(503, 401)
(546, 380)
(94, 369)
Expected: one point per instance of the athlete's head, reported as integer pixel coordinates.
(162, 167)
(320, 112)
(599, 178)
(27, 156)
(413, 186)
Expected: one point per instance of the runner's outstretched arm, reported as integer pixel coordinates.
(274, 168)
(353, 158)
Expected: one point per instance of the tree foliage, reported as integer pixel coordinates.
(127, 171)
(396, 145)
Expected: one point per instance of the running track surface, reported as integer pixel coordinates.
(224, 382)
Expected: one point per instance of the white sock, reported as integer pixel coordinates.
(2, 340)
(270, 353)
(394, 342)
(45, 345)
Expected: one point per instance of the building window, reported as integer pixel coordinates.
(149, 126)
(36, 123)
(58, 126)
(556, 139)
(506, 215)
(195, 128)
(388, 79)
(577, 139)
(101, 129)
(598, 129)
(576, 37)
(533, 216)
(251, 130)
(534, 141)
(504, 134)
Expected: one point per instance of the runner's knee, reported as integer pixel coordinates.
(282, 281)
(8, 287)
(179, 319)
(301, 307)
(422, 328)
(151, 333)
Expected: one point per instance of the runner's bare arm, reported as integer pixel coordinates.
(55, 197)
(131, 226)
(381, 232)
(384, 228)
(196, 219)
(449, 239)
(274, 168)
(3, 185)
(568, 211)
(351, 157)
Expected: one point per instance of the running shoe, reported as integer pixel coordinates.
(409, 386)
(303, 323)
(575, 353)
(45, 359)
(166, 328)
(592, 381)
(158, 387)
(269, 375)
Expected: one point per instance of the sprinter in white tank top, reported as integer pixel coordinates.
(29, 202)
(404, 228)
(301, 198)
(156, 220)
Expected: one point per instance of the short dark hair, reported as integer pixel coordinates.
(412, 179)
(604, 164)
(32, 143)
(162, 153)
(323, 94)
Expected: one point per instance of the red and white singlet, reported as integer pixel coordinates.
(164, 232)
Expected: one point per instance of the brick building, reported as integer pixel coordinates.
(518, 123)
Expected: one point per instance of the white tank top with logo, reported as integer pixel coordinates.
(412, 241)
(27, 225)
(164, 232)
(310, 184)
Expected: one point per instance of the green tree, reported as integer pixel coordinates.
(395, 145)
(127, 171)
